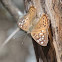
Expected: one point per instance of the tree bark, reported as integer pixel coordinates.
(53, 8)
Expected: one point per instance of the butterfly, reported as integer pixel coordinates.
(40, 31)
(25, 22)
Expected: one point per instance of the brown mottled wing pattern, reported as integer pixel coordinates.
(40, 31)
(25, 22)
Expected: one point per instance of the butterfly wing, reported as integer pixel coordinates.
(40, 31)
(25, 22)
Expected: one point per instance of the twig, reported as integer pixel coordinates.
(8, 39)
(14, 11)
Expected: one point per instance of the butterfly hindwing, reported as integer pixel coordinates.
(40, 31)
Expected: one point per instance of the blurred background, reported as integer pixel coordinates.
(20, 47)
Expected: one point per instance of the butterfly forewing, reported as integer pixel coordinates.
(25, 22)
(40, 31)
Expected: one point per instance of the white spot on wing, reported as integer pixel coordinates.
(42, 30)
(37, 40)
(19, 23)
(41, 42)
(40, 33)
(40, 39)
(21, 26)
(43, 36)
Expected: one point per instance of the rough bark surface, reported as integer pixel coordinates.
(54, 10)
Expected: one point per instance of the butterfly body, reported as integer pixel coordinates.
(39, 32)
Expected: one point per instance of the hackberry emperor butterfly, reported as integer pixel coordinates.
(40, 30)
